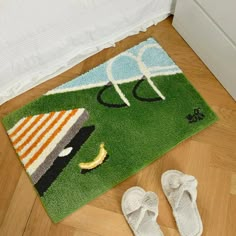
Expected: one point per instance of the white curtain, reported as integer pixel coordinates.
(41, 39)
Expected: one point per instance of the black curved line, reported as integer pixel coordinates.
(110, 105)
(137, 85)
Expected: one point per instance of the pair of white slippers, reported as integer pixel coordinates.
(140, 208)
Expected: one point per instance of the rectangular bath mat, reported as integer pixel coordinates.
(88, 135)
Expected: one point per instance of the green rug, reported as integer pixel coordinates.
(139, 105)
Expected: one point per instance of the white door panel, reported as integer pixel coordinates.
(208, 40)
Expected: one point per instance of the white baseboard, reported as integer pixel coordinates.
(208, 41)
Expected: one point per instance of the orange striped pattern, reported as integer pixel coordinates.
(27, 129)
(35, 137)
(42, 135)
(13, 134)
(37, 154)
(34, 133)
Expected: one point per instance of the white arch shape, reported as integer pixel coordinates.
(143, 68)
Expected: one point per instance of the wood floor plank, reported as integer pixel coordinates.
(20, 207)
(38, 223)
(10, 171)
(224, 158)
(233, 184)
(113, 196)
(231, 226)
(97, 220)
(169, 231)
(64, 230)
(213, 189)
(225, 127)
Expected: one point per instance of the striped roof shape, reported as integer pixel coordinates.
(39, 139)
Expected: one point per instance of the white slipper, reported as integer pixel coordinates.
(181, 192)
(140, 209)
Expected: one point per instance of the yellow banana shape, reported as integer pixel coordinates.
(98, 160)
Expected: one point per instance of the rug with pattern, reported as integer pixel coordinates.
(88, 135)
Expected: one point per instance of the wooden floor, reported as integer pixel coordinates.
(209, 155)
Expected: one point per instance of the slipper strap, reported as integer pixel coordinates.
(179, 185)
(147, 203)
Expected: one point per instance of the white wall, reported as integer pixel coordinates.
(210, 29)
